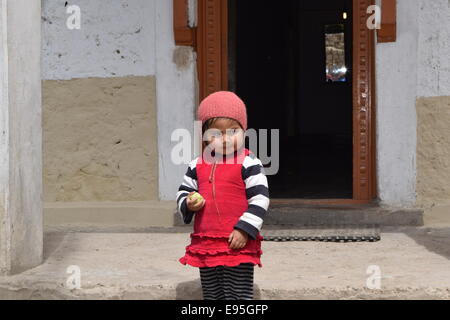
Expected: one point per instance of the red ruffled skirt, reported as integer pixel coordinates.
(210, 250)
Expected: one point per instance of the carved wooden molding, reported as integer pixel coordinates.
(364, 186)
(212, 46)
(184, 36)
(388, 31)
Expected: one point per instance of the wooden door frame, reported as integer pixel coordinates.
(212, 65)
(212, 46)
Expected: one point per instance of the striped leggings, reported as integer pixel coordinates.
(227, 283)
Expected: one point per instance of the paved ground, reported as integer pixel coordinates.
(414, 264)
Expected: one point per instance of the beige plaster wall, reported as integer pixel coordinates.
(100, 139)
(433, 156)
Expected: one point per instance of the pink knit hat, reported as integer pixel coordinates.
(223, 104)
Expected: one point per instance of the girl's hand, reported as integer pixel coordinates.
(194, 205)
(238, 239)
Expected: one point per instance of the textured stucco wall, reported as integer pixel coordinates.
(121, 39)
(99, 102)
(433, 151)
(99, 139)
(433, 109)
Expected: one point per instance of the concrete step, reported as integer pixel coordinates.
(310, 214)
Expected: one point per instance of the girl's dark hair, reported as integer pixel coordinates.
(208, 124)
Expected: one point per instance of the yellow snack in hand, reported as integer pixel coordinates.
(196, 197)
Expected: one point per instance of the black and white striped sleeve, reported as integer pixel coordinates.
(257, 191)
(188, 185)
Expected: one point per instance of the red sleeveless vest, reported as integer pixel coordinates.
(223, 188)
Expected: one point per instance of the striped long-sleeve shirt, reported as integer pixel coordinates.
(256, 188)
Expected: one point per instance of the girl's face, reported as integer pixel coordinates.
(225, 136)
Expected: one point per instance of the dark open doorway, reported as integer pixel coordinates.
(291, 63)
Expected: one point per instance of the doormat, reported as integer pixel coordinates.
(323, 233)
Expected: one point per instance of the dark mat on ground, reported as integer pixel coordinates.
(322, 233)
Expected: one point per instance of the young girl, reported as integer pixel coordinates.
(225, 244)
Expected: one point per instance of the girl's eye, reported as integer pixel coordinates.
(215, 133)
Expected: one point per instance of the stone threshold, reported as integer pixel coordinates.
(297, 215)
(148, 216)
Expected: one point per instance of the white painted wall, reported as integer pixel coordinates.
(4, 142)
(176, 99)
(91, 51)
(396, 86)
(21, 226)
